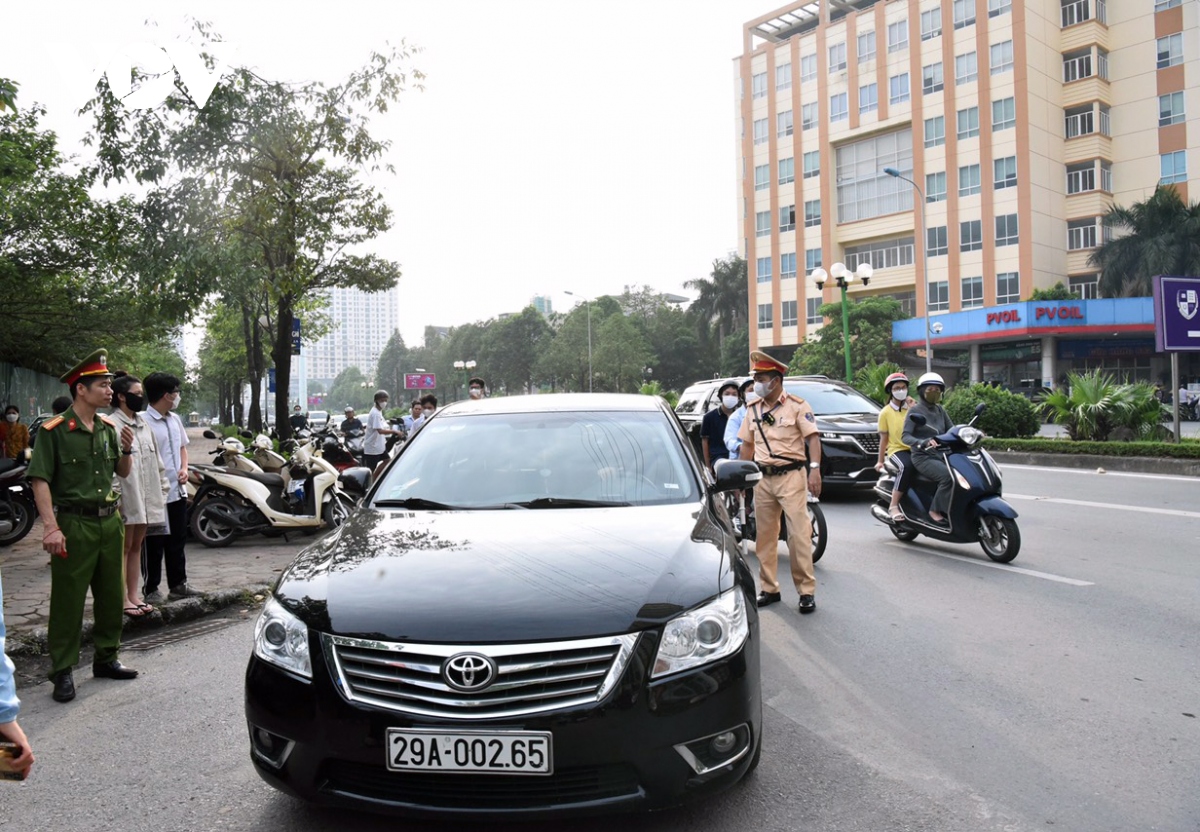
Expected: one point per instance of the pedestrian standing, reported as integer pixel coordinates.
(712, 427)
(476, 387)
(780, 434)
(10, 706)
(14, 437)
(162, 393)
(374, 445)
(71, 473)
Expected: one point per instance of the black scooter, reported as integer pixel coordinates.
(17, 510)
(978, 514)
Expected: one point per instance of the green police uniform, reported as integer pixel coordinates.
(78, 465)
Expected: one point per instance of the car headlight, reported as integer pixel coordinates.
(281, 639)
(703, 635)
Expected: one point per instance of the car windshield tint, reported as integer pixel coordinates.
(831, 399)
(518, 460)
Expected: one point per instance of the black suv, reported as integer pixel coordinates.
(848, 421)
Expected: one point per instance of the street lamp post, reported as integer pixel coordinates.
(924, 260)
(588, 304)
(844, 278)
(466, 367)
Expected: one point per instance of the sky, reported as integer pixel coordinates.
(556, 146)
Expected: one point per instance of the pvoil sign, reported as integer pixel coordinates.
(1068, 312)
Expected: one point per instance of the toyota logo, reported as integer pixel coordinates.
(469, 672)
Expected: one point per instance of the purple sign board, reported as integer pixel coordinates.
(420, 381)
(1177, 314)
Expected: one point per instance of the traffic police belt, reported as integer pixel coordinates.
(776, 470)
(87, 511)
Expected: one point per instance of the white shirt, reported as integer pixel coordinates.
(373, 441)
(171, 439)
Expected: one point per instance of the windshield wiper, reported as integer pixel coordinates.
(414, 502)
(568, 502)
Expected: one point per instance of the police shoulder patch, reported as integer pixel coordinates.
(108, 420)
(52, 423)
(809, 416)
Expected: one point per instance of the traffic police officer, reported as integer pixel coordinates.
(780, 434)
(71, 473)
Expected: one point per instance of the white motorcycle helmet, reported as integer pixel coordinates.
(931, 378)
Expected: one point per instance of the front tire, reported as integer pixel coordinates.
(23, 516)
(335, 512)
(209, 525)
(816, 518)
(999, 537)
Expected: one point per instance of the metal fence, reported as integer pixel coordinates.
(32, 392)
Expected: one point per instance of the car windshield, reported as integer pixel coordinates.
(540, 461)
(831, 399)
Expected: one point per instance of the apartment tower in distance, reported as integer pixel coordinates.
(1020, 121)
(362, 324)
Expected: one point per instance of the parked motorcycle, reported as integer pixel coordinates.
(335, 451)
(742, 513)
(17, 509)
(978, 512)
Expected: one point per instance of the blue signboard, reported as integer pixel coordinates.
(1177, 314)
(270, 379)
(295, 336)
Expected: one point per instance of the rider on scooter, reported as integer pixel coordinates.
(927, 454)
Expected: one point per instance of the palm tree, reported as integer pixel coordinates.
(1162, 237)
(723, 298)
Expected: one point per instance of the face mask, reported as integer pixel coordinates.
(760, 389)
(730, 402)
(429, 412)
(476, 393)
(12, 417)
(933, 395)
(175, 401)
(135, 402)
(899, 393)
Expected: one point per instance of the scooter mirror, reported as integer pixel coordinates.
(208, 434)
(917, 419)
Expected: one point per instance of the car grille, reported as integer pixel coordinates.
(481, 791)
(530, 678)
(869, 442)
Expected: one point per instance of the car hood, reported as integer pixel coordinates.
(473, 577)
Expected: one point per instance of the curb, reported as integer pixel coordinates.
(1130, 464)
(35, 642)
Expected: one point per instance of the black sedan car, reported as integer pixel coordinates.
(540, 610)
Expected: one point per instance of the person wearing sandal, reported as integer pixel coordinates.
(891, 442)
(143, 492)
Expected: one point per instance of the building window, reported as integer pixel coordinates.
(972, 292)
(812, 259)
(968, 123)
(1006, 230)
(1106, 176)
(1163, 5)
(787, 313)
(787, 266)
(937, 241)
(1170, 50)
(868, 98)
(935, 131)
(969, 180)
(808, 67)
(762, 224)
(1077, 65)
(762, 177)
(1005, 173)
(783, 77)
(764, 316)
(839, 107)
(999, 7)
(1081, 234)
(1002, 57)
(812, 311)
(897, 36)
(1170, 109)
(887, 254)
(812, 164)
(899, 88)
(966, 68)
(964, 13)
(866, 46)
(787, 170)
(837, 57)
(812, 213)
(938, 299)
(808, 116)
(758, 85)
(763, 274)
(931, 23)
(783, 123)
(931, 78)
(1087, 286)
(1173, 167)
(863, 189)
(1080, 121)
(1008, 287)
(1004, 114)
(935, 187)
(1075, 11)
(787, 218)
(971, 235)
(760, 131)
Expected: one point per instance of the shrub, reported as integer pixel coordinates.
(1007, 414)
(869, 380)
(1094, 407)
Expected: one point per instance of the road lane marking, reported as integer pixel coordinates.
(1107, 473)
(1033, 573)
(1170, 512)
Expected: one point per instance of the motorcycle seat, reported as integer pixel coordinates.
(7, 464)
(270, 480)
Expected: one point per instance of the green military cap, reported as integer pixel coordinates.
(95, 364)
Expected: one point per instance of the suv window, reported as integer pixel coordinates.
(827, 399)
(692, 399)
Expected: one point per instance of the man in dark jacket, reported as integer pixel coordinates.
(927, 455)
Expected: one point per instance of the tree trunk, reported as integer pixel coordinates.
(254, 362)
(282, 353)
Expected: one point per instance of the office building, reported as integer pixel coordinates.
(362, 324)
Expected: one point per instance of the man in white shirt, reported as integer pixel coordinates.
(374, 445)
(162, 394)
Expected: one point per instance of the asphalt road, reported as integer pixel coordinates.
(933, 690)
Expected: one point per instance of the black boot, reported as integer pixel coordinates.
(64, 686)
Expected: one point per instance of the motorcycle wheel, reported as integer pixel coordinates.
(208, 527)
(23, 516)
(999, 537)
(819, 530)
(335, 512)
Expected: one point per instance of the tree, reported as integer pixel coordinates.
(282, 164)
(393, 364)
(510, 348)
(724, 297)
(620, 356)
(871, 342)
(1162, 236)
(350, 388)
(1056, 292)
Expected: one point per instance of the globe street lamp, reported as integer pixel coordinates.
(466, 367)
(925, 260)
(844, 278)
(588, 304)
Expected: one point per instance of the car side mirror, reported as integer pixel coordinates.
(735, 474)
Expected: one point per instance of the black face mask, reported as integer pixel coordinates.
(135, 402)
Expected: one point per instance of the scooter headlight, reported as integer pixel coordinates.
(971, 436)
